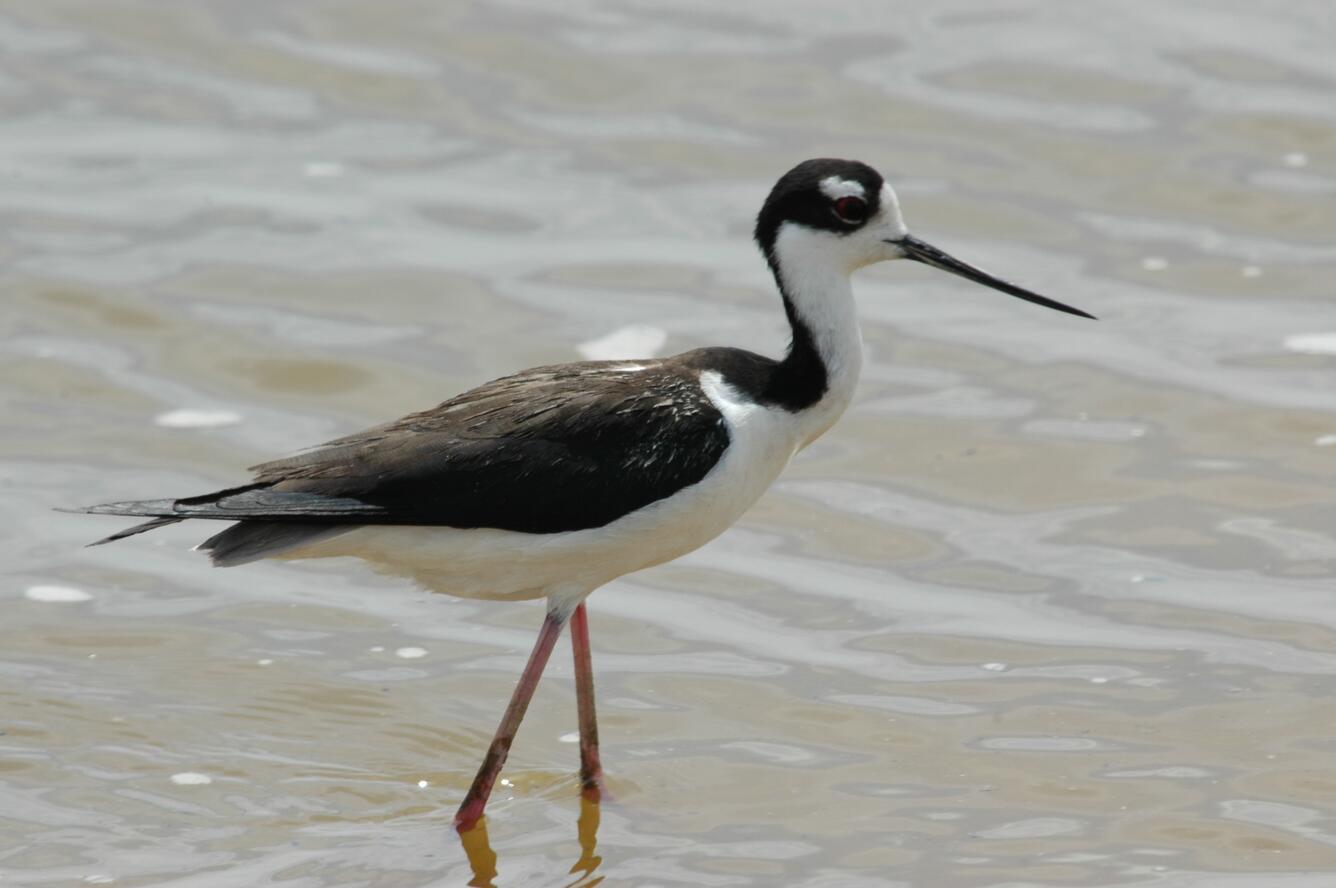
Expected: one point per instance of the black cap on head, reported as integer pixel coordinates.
(798, 197)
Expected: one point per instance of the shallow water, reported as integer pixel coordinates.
(1053, 605)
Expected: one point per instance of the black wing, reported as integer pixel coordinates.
(558, 448)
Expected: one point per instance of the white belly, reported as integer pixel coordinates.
(488, 563)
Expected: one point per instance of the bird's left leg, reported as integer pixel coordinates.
(471, 810)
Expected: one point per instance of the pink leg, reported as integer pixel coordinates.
(591, 770)
(471, 810)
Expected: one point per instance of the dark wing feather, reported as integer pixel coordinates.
(558, 448)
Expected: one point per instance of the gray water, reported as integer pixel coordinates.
(1052, 606)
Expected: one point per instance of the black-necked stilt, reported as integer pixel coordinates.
(553, 481)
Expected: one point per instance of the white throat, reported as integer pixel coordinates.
(814, 273)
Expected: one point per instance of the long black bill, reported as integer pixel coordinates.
(929, 255)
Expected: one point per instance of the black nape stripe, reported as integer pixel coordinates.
(800, 380)
(794, 384)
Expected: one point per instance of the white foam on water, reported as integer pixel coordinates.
(1312, 343)
(410, 653)
(191, 778)
(56, 594)
(196, 418)
(625, 343)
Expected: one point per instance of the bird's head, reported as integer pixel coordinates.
(842, 213)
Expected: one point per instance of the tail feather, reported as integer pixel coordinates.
(248, 541)
(161, 508)
(138, 528)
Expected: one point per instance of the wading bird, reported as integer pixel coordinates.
(553, 481)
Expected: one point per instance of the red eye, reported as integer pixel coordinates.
(851, 209)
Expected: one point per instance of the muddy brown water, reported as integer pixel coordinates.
(1052, 606)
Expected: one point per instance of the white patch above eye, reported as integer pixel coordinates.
(834, 188)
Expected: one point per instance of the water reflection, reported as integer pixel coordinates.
(478, 849)
(482, 858)
(587, 831)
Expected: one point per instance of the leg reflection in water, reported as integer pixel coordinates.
(482, 859)
(587, 828)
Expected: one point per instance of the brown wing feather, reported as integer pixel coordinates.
(558, 448)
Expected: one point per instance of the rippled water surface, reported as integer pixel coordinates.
(1052, 606)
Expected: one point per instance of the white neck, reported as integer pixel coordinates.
(814, 276)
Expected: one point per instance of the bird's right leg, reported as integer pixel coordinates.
(591, 769)
(471, 810)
